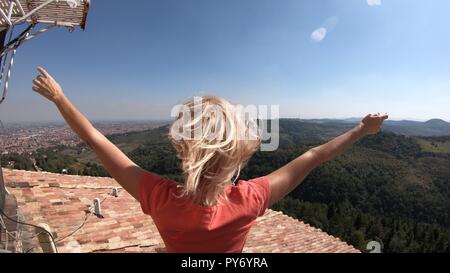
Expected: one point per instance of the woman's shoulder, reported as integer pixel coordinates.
(151, 181)
(251, 186)
(261, 181)
(155, 190)
(253, 194)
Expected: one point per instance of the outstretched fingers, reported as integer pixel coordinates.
(39, 83)
(38, 89)
(43, 72)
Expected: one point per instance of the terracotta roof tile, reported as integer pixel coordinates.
(63, 202)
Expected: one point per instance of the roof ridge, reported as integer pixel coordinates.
(56, 174)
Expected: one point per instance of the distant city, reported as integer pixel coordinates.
(22, 138)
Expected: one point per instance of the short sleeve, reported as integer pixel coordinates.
(259, 194)
(151, 191)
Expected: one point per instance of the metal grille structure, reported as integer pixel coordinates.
(67, 13)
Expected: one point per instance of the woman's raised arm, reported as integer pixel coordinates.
(286, 179)
(118, 165)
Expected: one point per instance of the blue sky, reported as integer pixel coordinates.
(137, 61)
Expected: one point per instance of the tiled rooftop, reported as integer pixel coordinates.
(63, 202)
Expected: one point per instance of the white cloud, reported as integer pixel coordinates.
(319, 34)
(374, 2)
(326, 28)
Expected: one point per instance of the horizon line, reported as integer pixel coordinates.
(349, 119)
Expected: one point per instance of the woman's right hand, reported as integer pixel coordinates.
(46, 85)
(371, 124)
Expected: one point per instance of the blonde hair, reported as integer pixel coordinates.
(214, 141)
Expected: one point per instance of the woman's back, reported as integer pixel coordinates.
(188, 227)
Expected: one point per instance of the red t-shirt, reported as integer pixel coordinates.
(189, 228)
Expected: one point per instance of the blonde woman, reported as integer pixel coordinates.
(209, 212)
